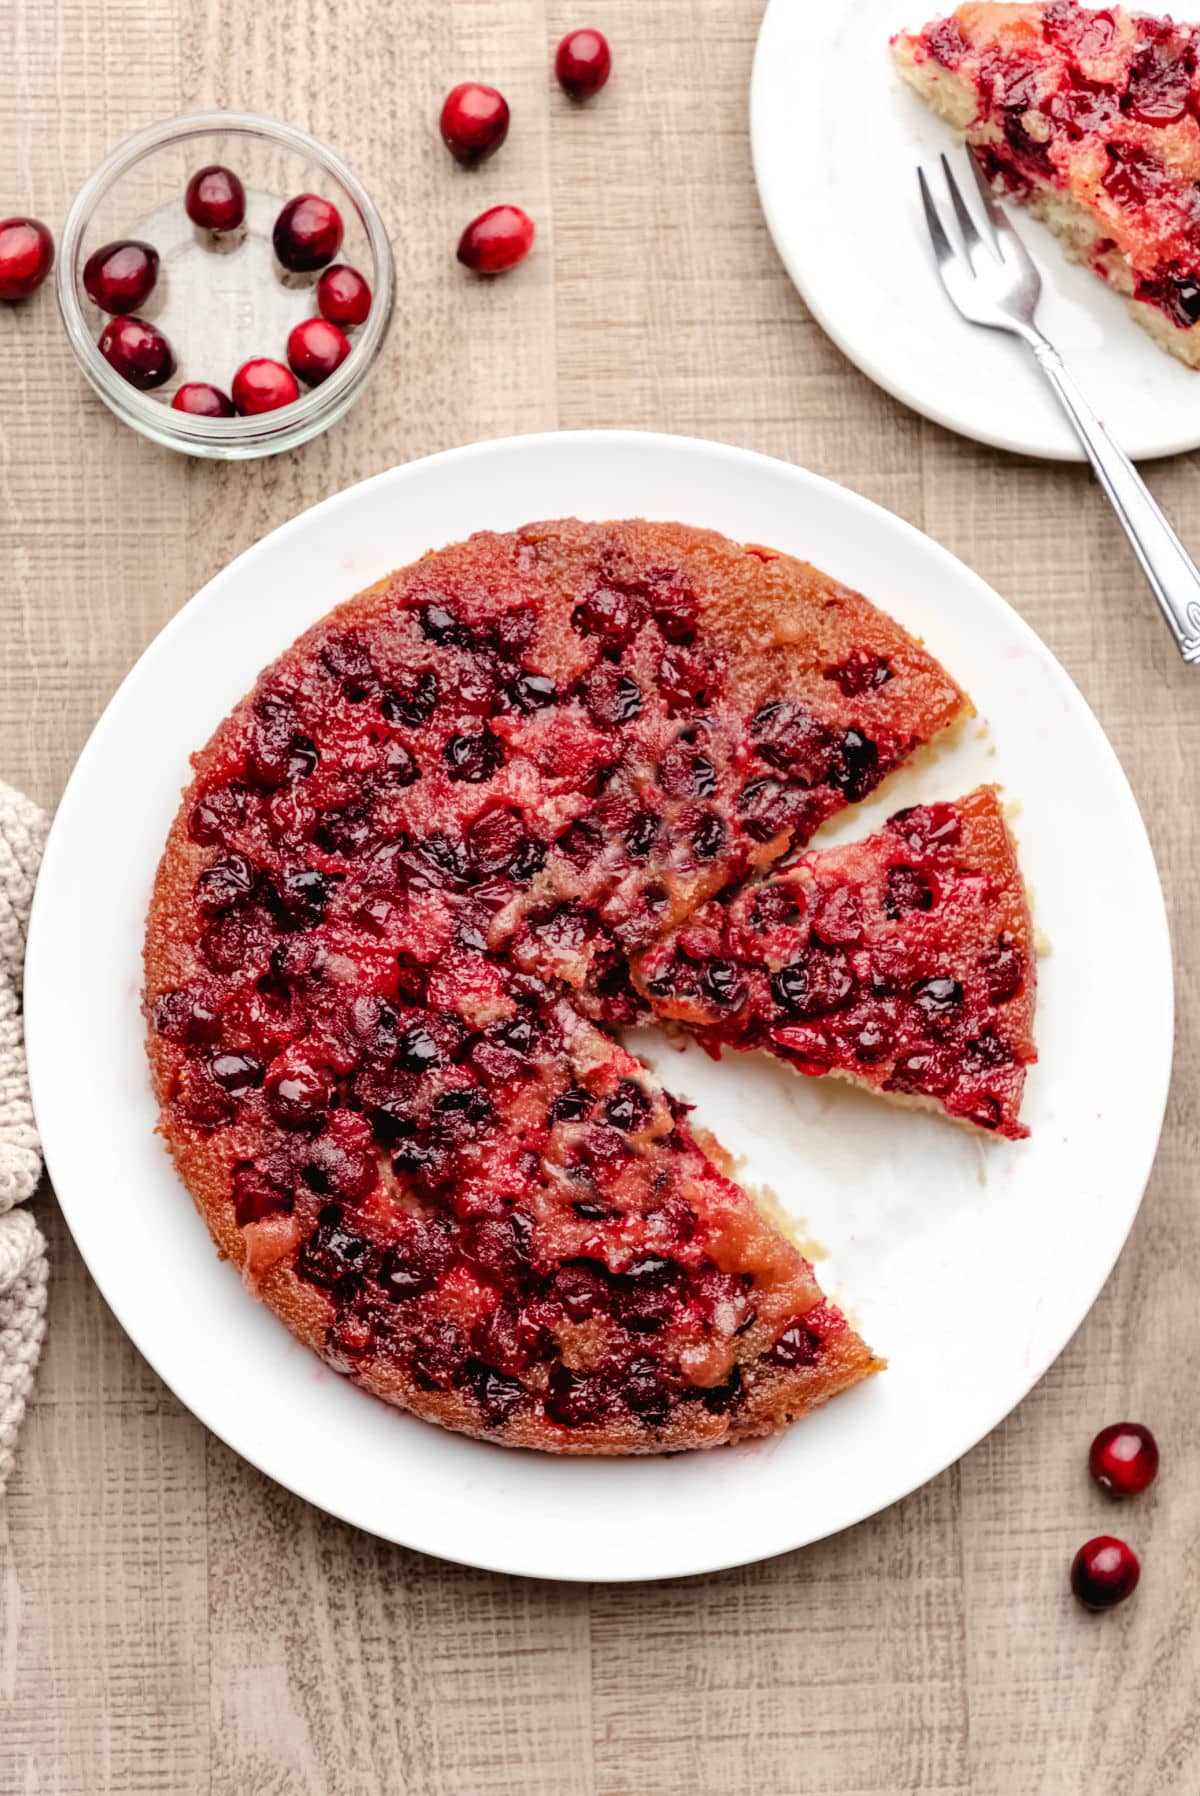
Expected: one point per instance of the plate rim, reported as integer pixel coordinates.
(40, 1051)
(769, 186)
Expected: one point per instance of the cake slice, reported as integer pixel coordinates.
(469, 1200)
(1090, 119)
(904, 962)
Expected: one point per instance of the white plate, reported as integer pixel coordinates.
(836, 138)
(968, 1262)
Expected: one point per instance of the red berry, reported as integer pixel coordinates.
(308, 233)
(496, 241)
(121, 275)
(1124, 1458)
(583, 63)
(1104, 1572)
(343, 296)
(138, 351)
(215, 199)
(315, 348)
(474, 122)
(262, 385)
(202, 401)
(26, 256)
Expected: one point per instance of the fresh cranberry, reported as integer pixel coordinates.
(138, 351)
(496, 241)
(583, 63)
(474, 122)
(215, 199)
(201, 400)
(119, 276)
(315, 348)
(308, 233)
(343, 296)
(261, 385)
(1124, 1458)
(26, 256)
(1104, 1572)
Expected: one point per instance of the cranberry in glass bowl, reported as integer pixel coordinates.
(343, 296)
(307, 233)
(263, 385)
(222, 298)
(215, 199)
(203, 401)
(315, 349)
(121, 276)
(138, 351)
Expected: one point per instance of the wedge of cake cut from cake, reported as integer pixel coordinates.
(1090, 119)
(904, 962)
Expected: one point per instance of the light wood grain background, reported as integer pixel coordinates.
(169, 1620)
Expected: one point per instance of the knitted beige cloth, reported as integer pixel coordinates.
(22, 1249)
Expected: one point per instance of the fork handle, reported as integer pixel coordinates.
(1174, 579)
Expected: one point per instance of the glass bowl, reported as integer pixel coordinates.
(221, 299)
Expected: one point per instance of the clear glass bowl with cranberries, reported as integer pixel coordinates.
(226, 283)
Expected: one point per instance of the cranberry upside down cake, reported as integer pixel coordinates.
(1091, 117)
(472, 820)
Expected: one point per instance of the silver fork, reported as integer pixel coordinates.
(992, 281)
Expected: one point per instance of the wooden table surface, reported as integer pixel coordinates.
(170, 1621)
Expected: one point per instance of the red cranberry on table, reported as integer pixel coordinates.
(315, 348)
(496, 241)
(202, 400)
(138, 351)
(215, 199)
(261, 385)
(120, 275)
(1104, 1572)
(26, 256)
(583, 63)
(308, 233)
(343, 296)
(474, 122)
(1124, 1458)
